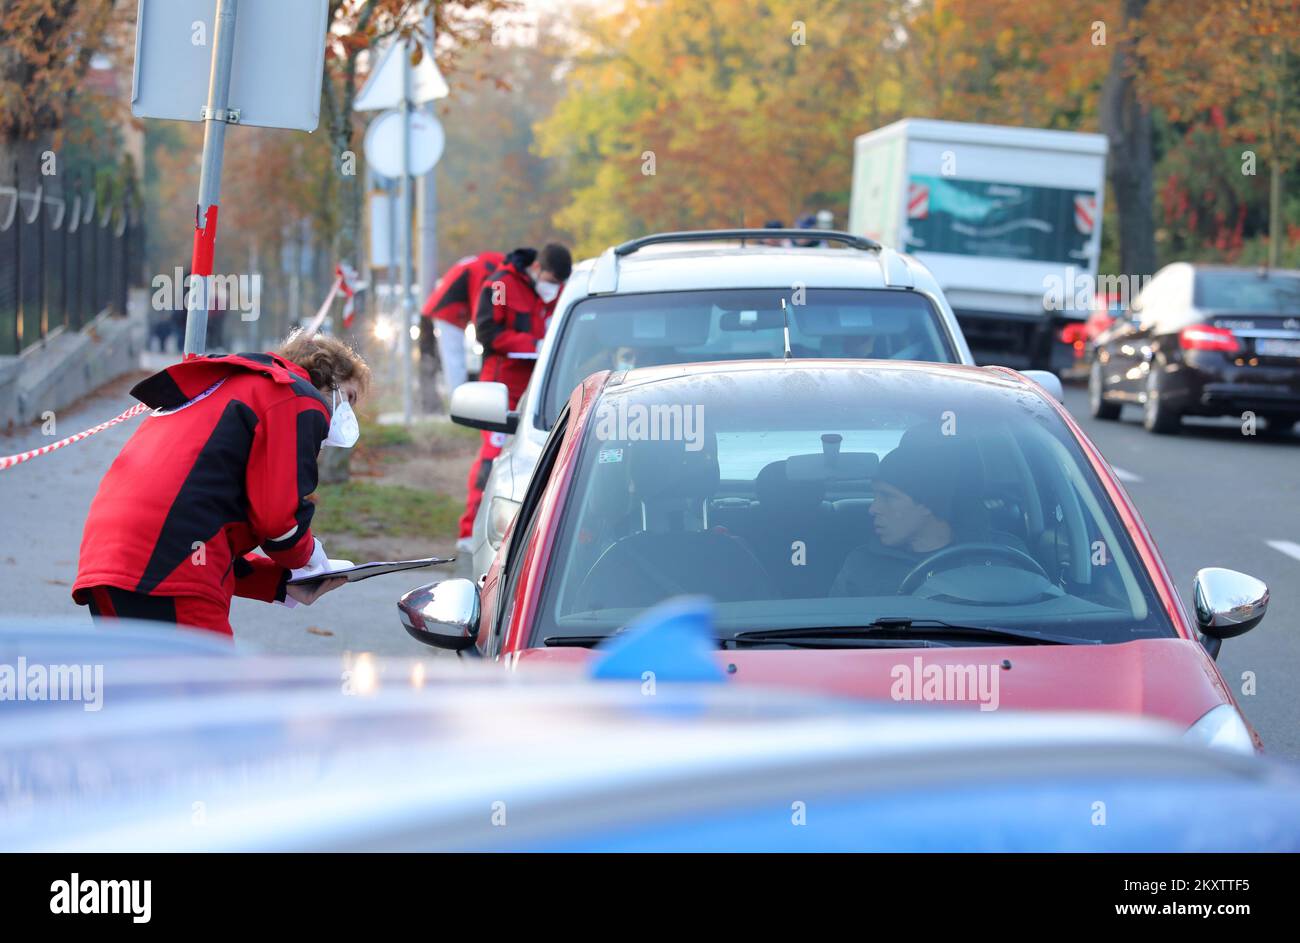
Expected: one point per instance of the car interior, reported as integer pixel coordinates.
(660, 520)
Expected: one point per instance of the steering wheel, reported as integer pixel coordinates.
(956, 551)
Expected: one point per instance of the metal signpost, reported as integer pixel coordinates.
(419, 139)
(265, 68)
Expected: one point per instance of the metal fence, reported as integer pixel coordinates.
(63, 259)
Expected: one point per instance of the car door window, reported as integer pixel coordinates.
(525, 524)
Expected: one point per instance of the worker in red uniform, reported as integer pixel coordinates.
(224, 465)
(452, 302)
(510, 317)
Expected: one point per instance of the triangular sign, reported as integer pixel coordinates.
(383, 90)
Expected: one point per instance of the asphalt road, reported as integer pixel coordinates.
(1215, 497)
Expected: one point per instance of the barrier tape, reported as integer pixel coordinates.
(9, 461)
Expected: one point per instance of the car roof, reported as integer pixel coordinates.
(933, 376)
(705, 265)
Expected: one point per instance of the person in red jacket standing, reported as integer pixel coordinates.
(223, 465)
(511, 315)
(452, 302)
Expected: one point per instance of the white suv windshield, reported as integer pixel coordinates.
(619, 332)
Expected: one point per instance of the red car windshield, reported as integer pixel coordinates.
(836, 497)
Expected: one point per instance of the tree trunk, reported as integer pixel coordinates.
(1276, 224)
(1131, 167)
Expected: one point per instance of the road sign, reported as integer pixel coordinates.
(275, 79)
(383, 89)
(384, 143)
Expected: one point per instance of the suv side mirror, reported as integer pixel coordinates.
(483, 405)
(1228, 604)
(444, 615)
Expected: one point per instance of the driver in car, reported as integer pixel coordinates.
(915, 514)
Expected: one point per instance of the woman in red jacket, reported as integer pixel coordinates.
(223, 465)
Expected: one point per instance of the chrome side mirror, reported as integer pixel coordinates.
(444, 615)
(1228, 603)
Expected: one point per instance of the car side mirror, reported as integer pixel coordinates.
(1228, 603)
(444, 615)
(484, 405)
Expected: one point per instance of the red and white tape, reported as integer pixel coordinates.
(9, 461)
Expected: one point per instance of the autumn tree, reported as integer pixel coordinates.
(494, 191)
(1241, 57)
(683, 115)
(46, 46)
(356, 28)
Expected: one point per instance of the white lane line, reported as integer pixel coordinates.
(1126, 476)
(1285, 546)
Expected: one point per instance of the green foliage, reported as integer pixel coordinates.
(367, 509)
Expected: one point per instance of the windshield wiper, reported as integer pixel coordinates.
(819, 639)
(903, 627)
(574, 641)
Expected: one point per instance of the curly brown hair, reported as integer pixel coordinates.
(327, 360)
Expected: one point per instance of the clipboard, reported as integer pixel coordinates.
(365, 571)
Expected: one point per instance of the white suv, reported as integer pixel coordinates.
(706, 296)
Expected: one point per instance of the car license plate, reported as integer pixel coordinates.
(1275, 347)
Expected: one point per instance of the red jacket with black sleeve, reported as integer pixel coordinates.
(510, 318)
(224, 464)
(453, 298)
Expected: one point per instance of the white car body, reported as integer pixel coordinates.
(685, 266)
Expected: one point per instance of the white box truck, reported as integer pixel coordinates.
(1003, 217)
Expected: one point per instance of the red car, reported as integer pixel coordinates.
(883, 530)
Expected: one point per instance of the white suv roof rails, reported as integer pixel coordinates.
(604, 274)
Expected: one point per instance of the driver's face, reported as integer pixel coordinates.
(897, 518)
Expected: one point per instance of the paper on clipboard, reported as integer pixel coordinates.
(364, 571)
(522, 355)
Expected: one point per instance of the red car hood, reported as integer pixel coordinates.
(1165, 678)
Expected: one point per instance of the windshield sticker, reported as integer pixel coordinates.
(609, 456)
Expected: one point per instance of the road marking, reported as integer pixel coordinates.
(1123, 475)
(1285, 546)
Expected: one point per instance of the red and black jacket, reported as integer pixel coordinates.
(453, 298)
(510, 318)
(223, 465)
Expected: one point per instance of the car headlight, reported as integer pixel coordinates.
(500, 513)
(1222, 729)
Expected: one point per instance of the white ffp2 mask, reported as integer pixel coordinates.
(548, 291)
(344, 429)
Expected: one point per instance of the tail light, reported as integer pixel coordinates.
(1205, 337)
(1074, 335)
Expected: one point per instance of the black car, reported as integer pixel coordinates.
(1204, 341)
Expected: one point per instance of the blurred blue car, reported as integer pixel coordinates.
(200, 750)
